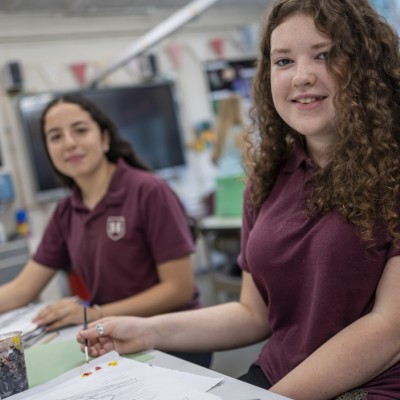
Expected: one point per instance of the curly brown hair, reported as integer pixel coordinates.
(362, 179)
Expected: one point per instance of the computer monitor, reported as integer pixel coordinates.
(145, 115)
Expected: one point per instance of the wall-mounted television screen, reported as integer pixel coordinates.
(146, 115)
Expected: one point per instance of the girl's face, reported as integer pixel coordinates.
(302, 87)
(75, 143)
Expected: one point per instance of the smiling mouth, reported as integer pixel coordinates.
(73, 159)
(308, 100)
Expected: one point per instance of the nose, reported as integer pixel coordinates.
(304, 75)
(70, 141)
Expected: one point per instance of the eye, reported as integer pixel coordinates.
(54, 137)
(81, 130)
(322, 56)
(283, 62)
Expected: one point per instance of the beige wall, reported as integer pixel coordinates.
(45, 47)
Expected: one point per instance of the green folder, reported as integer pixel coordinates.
(47, 361)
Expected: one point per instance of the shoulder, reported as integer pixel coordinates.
(144, 180)
(63, 207)
(144, 187)
(251, 211)
(60, 217)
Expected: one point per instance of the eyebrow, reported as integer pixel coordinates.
(314, 47)
(75, 124)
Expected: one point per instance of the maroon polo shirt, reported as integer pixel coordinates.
(315, 274)
(116, 247)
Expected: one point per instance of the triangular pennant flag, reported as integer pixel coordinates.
(217, 45)
(79, 71)
(174, 51)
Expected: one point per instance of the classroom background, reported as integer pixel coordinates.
(54, 46)
(65, 45)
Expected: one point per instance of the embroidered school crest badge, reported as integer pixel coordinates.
(116, 227)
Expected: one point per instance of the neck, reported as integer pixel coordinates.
(318, 152)
(94, 188)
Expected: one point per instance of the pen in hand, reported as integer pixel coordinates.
(85, 327)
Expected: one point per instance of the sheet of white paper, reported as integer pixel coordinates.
(126, 380)
(20, 319)
(198, 382)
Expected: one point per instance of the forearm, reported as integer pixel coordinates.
(159, 299)
(26, 287)
(219, 327)
(208, 329)
(351, 358)
(12, 297)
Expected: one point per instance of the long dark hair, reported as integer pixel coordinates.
(119, 147)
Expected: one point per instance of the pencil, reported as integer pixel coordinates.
(85, 327)
(49, 338)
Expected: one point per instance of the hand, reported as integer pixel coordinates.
(122, 334)
(61, 313)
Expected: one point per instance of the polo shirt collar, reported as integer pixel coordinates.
(76, 199)
(117, 188)
(115, 193)
(298, 158)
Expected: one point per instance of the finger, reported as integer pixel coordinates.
(50, 314)
(47, 318)
(96, 352)
(59, 323)
(67, 315)
(106, 346)
(102, 352)
(90, 334)
(43, 314)
(98, 348)
(96, 330)
(100, 321)
(80, 338)
(54, 318)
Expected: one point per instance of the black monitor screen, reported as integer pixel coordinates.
(145, 115)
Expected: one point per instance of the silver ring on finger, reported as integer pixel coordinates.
(100, 329)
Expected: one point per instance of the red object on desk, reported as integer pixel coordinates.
(77, 287)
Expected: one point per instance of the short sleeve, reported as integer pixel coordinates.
(394, 249)
(249, 217)
(165, 222)
(52, 251)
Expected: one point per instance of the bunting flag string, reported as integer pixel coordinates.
(174, 51)
(217, 44)
(79, 72)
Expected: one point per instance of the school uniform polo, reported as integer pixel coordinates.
(314, 273)
(115, 248)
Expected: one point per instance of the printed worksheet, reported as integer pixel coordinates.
(20, 319)
(112, 377)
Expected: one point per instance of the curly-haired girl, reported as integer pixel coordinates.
(320, 247)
